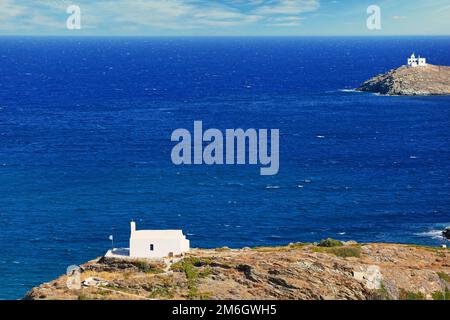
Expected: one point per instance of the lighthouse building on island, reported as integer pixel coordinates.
(414, 62)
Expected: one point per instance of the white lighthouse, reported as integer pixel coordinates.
(414, 62)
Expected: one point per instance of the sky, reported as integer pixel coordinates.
(225, 17)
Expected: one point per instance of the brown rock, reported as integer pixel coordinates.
(382, 271)
(422, 81)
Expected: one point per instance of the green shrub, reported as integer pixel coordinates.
(177, 266)
(443, 276)
(189, 267)
(103, 293)
(199, 262)
(189, 270)
(382, 293)
(161, 292)
(297, 245)
(205, 273)
(329, 243)
(343, 252)
(438, 295)
(409, 295)
(147, 267)
(346, 252)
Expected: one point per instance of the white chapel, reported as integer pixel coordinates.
(157, 243)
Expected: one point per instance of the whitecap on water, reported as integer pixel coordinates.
(435, 234)
(234, 184)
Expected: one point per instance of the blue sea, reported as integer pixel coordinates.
(85, 127)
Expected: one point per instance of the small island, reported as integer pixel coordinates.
(330, 269)
(417, 78)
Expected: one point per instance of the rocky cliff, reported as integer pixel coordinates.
(297, 271)
(427, 80)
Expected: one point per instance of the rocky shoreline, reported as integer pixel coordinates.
(446, 233)
(329, 270)
(405, 81)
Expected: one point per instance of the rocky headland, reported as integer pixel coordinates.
(406, 81)
(446, 233)
(329, 270)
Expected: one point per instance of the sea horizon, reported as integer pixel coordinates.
(368, 36)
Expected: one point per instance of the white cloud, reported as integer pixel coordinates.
(285, 21)
(172, 14)
(196, 13)
(17, 16)
(285, 24)
(288, 7)
(9, 9)
(160, 14)
(444, 8)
